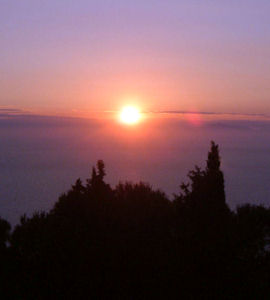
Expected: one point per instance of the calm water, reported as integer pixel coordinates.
(40, 157)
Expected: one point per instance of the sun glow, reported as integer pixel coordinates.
(130, 115)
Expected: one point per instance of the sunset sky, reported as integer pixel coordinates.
(75, 56)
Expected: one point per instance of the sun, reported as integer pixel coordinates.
(130, 115)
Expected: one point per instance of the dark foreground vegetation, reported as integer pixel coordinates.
(131, 242)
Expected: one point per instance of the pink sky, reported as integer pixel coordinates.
(81, 56)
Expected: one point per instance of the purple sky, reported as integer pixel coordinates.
(65, 56)
(40, 157)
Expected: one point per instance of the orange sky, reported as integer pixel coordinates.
(89, 56)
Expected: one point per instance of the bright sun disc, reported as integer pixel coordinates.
(130, 115)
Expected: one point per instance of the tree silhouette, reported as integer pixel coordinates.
(95, 185)
(203, 222)
(5, 259)
(132, 242)
(4, 234)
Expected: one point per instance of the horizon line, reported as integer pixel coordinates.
(13, 111)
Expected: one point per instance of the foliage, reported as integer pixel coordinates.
(132, 242)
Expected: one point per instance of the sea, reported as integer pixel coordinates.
(42, 156)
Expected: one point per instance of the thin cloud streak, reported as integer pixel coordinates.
(208, 113)
(12, 112)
